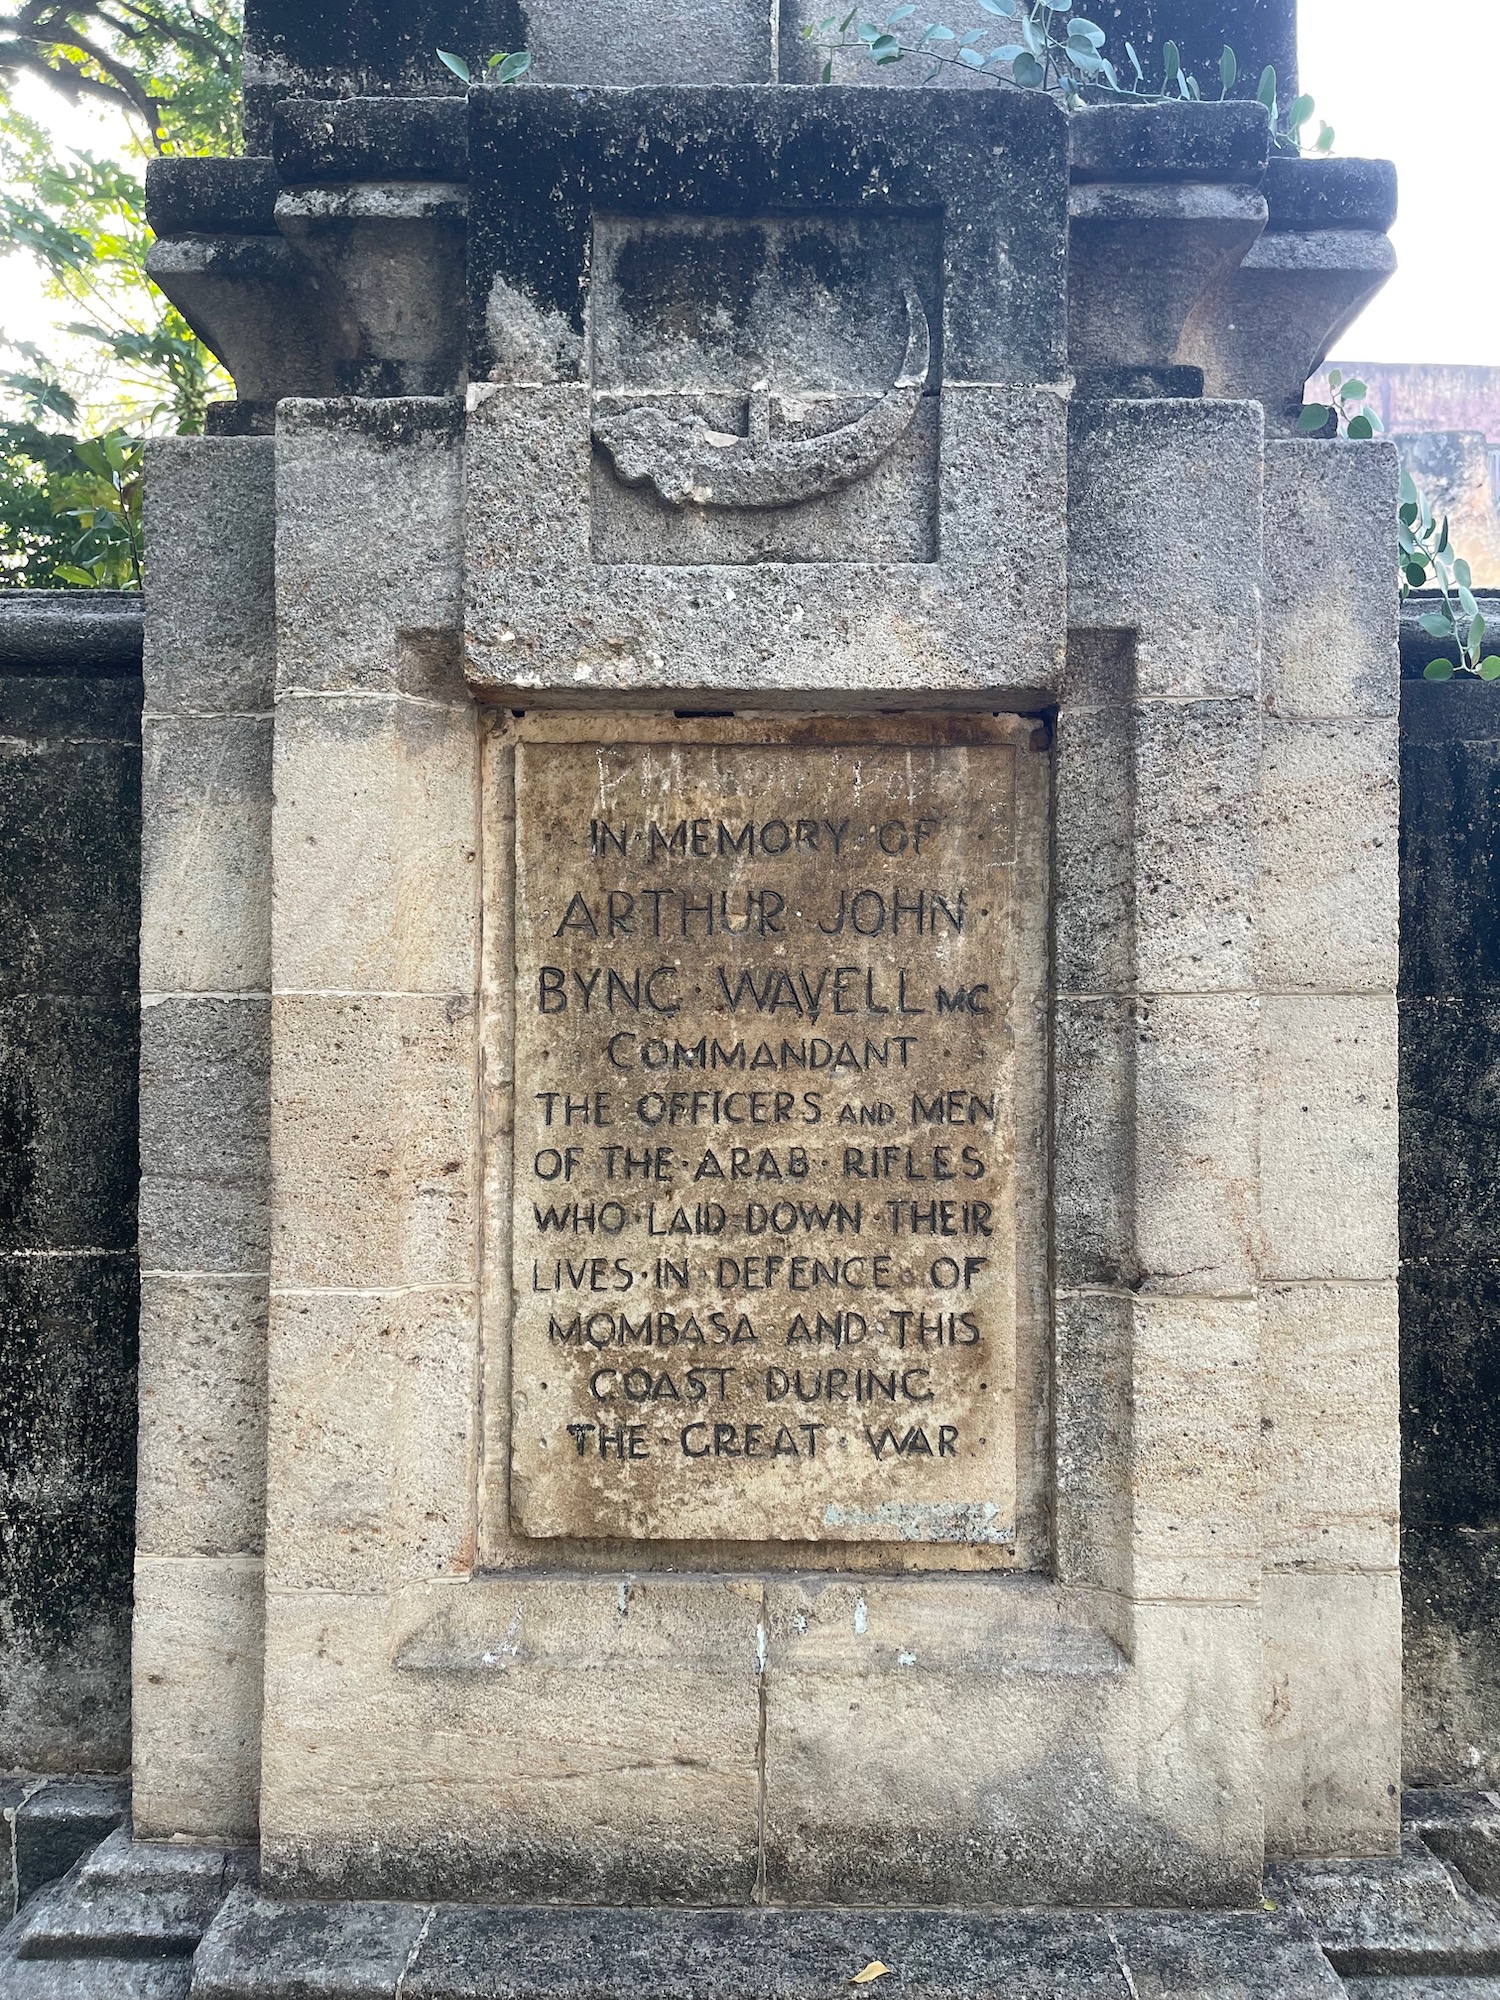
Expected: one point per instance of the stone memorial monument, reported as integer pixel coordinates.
(768, 1067)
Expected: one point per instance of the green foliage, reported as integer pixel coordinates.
(1427, 562)
(70, 421)
(1044, 45)
(508, 68)
(1345, 416)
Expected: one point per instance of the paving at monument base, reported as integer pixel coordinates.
(782, 1200)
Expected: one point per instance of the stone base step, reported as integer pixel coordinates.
(93, 1979)
(1406, 1913)
(131, 1900)
(258, 1949)
(1414, 1987)
(46, 1824)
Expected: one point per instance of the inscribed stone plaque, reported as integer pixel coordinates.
(764, 1208)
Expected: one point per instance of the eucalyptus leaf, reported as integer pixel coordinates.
(456, 63)
(1489, 669)
(899, 14)
(1027, 71)
(972, 57)
(514, 67)
(1229, 69)
(1437, 624)
(996, 7)
(1300, 110)
(1416, 575)
(1463, 574)
(1314, 417)
(1325, 138)
(1171, 57)
(1135, 62)
(1361, 427)
(1265, 90)
(1438, 670)
(1090, 31)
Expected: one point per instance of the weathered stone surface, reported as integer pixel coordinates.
(199, 1642)
(201, 1470)
(348, 1951)
(1169, 142)
(204, 1120)
(1405, 1913)
(209, 641)
(206, 861)
(326, 141)
(368, 565)
(46, 1824)
(1308, 193)
(132, 1899)
(61, 632)
(191, 195)
(1461, 1828)
(766, 1230)
(1164, 522)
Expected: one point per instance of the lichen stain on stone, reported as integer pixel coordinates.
(529, 344)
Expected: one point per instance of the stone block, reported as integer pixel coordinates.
(372, 1464)
(67, 1085)
(1450, 1168)
(67, 1413)
(1164, 533)
(1330, 586)
(1328, 833)
(1095, 893)
(971, 1775)
(1194, 852)
(1195, 1167)
(1331, 1446)
(368, 591)
(1461, 1828)
(205, 1122)
(69, 818)
(1333, 1732)
(51, 1824)
(681, 42)
(210, 515)
(1328, 1137)
(1194, 1466)
(200, 1478)
(377, 838)
(355, 1951)
(1094, 1192)
(456, 1743)
(1450, 780)
(543, 612)
(206, 855)
(1391, 1914)
(1170, 1955)
(374, 1140)
(1093, 1442)
(198, 1646)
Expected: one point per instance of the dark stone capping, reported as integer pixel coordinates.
(365, 48)
(1175, 384)
(82, 633)
(394, 422)
(1330, 194)
(993, 163)
(1419, 647)
(1169, 142)
(211, 197)
(240, 419)
(371, 139)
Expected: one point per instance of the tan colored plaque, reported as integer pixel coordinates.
(764, 1257)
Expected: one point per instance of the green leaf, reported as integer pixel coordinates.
(1406, 513)
(514, 67)
(71, 575)
(972, 57)
(1171, 57)
(1355, 388)
(1437, 624)
(456, 63)
(1265, 90)
(989, 6)
(1463, 574)
(1135, 62)
(905, 14)
(1416, 575)
(1089, 30)
(1476, 635)
(1300, 110)
(1314, 416)
(938, 33)
(1229, 69)
(1408, 487)
(1468, 600)
(828, 71)
(1027, 71)
(1489, 669)
(1360, 427)
(1325, 138)
(1438, 670)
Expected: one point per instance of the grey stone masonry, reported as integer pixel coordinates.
(70, 697)
(205, 951)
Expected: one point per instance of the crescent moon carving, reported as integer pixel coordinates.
(690, 464)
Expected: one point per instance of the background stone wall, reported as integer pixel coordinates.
(70, 698)
(1450, 1206)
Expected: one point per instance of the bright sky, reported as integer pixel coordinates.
(1424, 100)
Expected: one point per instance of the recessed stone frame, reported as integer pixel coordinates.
(982, 622)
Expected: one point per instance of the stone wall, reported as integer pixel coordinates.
(1450, 1202)
(70, 698)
